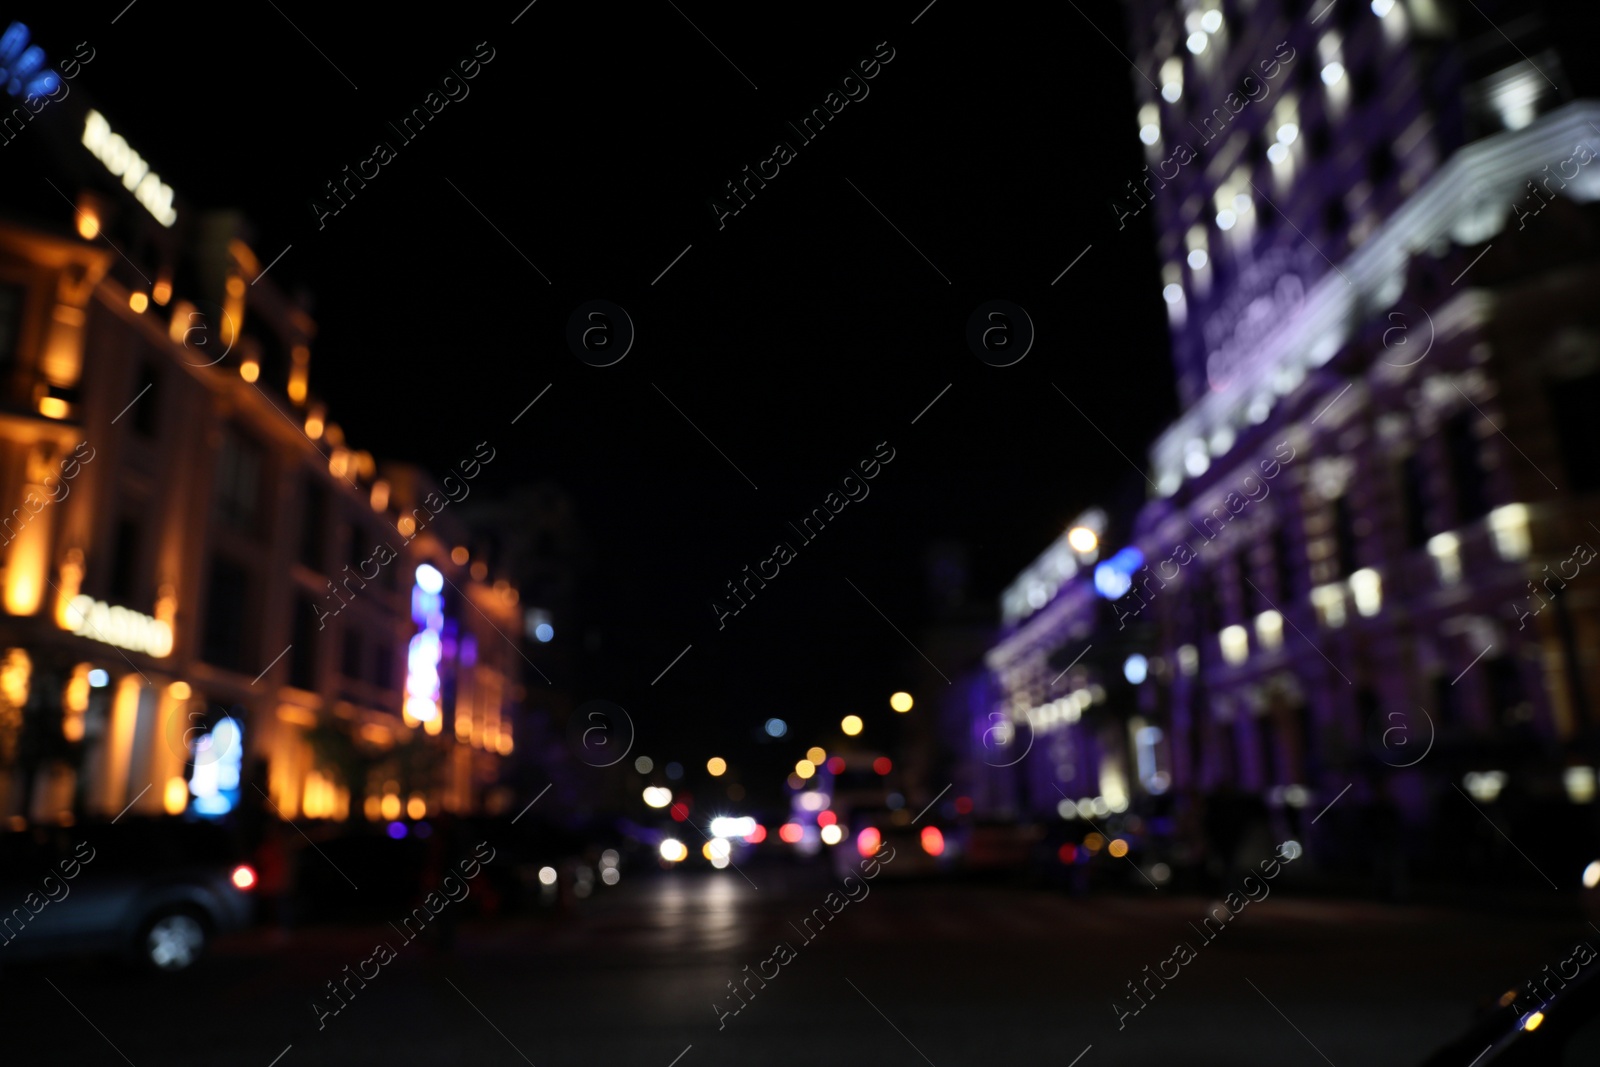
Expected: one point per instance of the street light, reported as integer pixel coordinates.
(901, 702)
(816, 754)
(851, 725)
(1082, 539)
(715, 766)
(805, 769)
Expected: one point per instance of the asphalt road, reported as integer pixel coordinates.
(944, 974)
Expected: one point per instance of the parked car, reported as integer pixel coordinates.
(1562, 1031)
(152, 891)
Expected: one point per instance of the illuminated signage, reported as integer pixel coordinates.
(123, 162)
(426, 651)
(217, 757)
(23, 68)
(121, 627)
(1114, 577)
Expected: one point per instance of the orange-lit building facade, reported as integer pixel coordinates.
(208, 594)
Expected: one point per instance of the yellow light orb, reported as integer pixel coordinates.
(851, 725)
(1532, 1022)
(175, 797)
(705, 850)
(715, 766)
(1082, 539)
(805, 768)
(831, 834)
(138, 301)
(816, 754)
(416, 808)
(390, 807)
(900, 702)
(180, 690)
(1118, 848)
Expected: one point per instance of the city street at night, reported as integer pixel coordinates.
(680, 533)
(947, 974)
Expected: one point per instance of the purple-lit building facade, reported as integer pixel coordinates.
(1363, 560)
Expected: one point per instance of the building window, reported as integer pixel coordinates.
(1573, 402)
(1466, 469)
(147, 401)
(1283, 561)
(11, 305)
(1446, 702)
(351, 667)
(314, 525)
(303, 653)
(360, 548)
(124, 579)
(227, 608)
(1414, 501)
(1248, 597)
(1344, 528)
(383, 670)
(237, 494)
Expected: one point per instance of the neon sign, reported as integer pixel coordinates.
(23, 69)
(123, 162)
(121, 627)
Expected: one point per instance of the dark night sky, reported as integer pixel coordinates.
(797, 338)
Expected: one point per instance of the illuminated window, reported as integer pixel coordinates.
(1510, 528)
(1446, 552)
(1367, 589)
(1329, 602)
(1269, 630)
(1235, 641)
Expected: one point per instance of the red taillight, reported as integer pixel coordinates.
(244, 876)
(826, 818)
(932, 841)
(868, 840)
(790, 833)
(756, 836)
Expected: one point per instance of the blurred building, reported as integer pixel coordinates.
(1364, 557)
(210, 597)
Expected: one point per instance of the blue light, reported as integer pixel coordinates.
(429, 578)
(99, 679)
(397, 830)
(1114, 577)
(777, 727)
(674, 771)
(544, 632)
(1136, 669)
(23, 69)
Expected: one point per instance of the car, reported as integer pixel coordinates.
(1562, 1030)
(155, 892)
(918, 851)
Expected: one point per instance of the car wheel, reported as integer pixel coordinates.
(172, 941)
